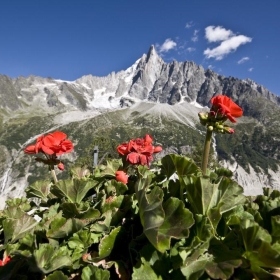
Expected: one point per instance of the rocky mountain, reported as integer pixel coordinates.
(150, 96)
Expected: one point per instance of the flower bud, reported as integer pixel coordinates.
(85, 257)
(60, 166)
(121, 176)
(210, 128)
(203, 116)
(219, 126)
(228, 130)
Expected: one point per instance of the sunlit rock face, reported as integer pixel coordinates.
(163, 98)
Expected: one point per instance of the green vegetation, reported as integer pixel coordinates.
(251, 144)
(90, 226)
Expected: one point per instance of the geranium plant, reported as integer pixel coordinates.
(128, 220)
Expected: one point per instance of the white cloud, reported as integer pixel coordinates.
(195, 36)
(250, 69)
(189, 24)
(211, 66)
(190, 49)
(243, 59)
(227, 46)
(167, 46)
(218, 33)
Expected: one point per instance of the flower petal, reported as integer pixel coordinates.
(30, 150)
(157, 149)
(133, 158)
(148, 139)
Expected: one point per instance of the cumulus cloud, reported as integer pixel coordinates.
(189, 24)
(230, 41)
(243, 59)
(250, 69)
(167, 46)
(216, 34)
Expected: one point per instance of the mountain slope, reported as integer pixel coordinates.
(151, 96)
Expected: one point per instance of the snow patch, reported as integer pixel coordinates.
(197, 105)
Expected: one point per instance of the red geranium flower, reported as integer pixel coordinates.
(53, 144)
(223, 105)
(121, 176)
(139, 151)
(5, 261)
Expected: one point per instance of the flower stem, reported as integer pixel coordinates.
(54, 175)
(206, 151)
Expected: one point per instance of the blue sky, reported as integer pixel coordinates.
(69, 39)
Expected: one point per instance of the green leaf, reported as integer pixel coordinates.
(103, 225)
(252, 234)
(49, 216)
(267, 256)
(222, 270)
(95, 273)
(210, 199)
(57, 275)
(145, 271)
(223, 172)
(39, 189)
(28, 239)
(21, 203)
(74, 190)
(49, 259)
(107, 243)
(71, 210)
(150, 208)
(259, 251)
(275, 222)
(110, 168)
(159, 262)
(113, 187)
(180, 164)
(176, 224)
(161, 222)
(112, 202)
(195, 268)
(15, 229)
(60, 228)
(83, 239)
(13, 212)
(223, 260)
(79, 172)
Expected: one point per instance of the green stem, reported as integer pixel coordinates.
(206, 151)
(54, 175)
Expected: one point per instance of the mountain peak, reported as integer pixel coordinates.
(152, 52)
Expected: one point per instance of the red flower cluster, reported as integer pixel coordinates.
(224, 106)
(139, 151)
(53, 144)
(5, 261)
